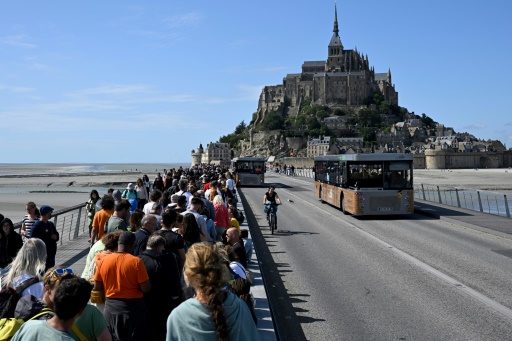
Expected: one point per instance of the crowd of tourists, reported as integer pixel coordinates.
(167, 261)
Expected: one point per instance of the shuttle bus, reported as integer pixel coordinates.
(366, 184)
(249, 171)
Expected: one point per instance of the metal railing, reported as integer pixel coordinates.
(483, 201)
(69, 222)
(307, 173)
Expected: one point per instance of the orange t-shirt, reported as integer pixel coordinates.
(100, 218)
(121, 274)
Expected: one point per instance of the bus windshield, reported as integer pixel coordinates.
(386, 175)
(254, 167)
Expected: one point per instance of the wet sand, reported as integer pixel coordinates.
(59, 191)
(496, 180)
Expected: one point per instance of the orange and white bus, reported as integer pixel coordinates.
(366, 184)
(249, 171)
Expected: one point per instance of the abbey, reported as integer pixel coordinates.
(345, 80)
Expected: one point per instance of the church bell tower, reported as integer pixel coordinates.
(335, 49)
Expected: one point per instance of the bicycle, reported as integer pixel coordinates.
(272, 217)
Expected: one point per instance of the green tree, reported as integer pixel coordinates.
(368, 118)
(273, 121)
(368, 135)
(339, 112)
(312, 123)
(321, 113)
(254, 116)
(240, 128)
(430, 123)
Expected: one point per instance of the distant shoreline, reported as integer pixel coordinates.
(66, 174)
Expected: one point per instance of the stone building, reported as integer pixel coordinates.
(345, 80)
(215, 153)
(319, 146)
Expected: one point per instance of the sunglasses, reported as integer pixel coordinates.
(61, 272)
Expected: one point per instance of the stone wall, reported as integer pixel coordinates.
(297, 162)
(297, 143)
(419, 161)
(449, 160)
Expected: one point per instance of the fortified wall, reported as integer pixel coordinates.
(435, 160)
(447, 160)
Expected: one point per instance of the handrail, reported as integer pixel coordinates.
(67, 221)
(482, 201)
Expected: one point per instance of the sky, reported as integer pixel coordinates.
(147, 81)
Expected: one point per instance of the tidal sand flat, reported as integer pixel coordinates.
(60, 186)
(496, 179)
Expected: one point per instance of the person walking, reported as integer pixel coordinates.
(124, 279)
(213, 313)
(45, 230)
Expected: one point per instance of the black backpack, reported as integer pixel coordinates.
(9, 297)
(240, 217)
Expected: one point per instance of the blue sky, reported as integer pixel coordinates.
(134, 81)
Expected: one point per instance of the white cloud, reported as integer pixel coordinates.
(16, 89)
(183, 20)
(18, 40)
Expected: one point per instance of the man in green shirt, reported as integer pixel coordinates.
(118, 220)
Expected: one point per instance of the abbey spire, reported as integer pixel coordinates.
(335, 40)
(335, 53)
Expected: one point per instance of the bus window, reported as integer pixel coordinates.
(258, 167)
(365, 175)
(398, 176)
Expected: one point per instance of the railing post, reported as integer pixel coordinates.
(480, 201)
(458, 199)
(506, 206)
(77, 226)
(62, 233)
(423, 192)
(439, 195)
(70, 225)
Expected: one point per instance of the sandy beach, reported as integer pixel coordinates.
(59, 191)
(496, 180)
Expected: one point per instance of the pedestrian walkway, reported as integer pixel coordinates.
(472, 219)
(73, 254)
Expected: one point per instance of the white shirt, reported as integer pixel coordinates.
(230, 183)
(147, 208)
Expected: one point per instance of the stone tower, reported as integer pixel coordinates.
(197, 155)
(335, 48)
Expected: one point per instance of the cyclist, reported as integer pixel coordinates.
(271, 200)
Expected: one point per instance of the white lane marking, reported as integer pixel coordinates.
(507, 312)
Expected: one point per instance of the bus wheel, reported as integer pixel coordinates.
(342, 204)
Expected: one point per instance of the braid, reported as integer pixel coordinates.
(215, 299)
(205, 270)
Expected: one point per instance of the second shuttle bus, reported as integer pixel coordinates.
(366, 184)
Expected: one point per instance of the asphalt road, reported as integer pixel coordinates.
(336, 277)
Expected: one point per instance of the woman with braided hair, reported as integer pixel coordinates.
(206, 271)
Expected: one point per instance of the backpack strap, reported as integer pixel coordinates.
(78, 333)
(44, 311)
(25, 284)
